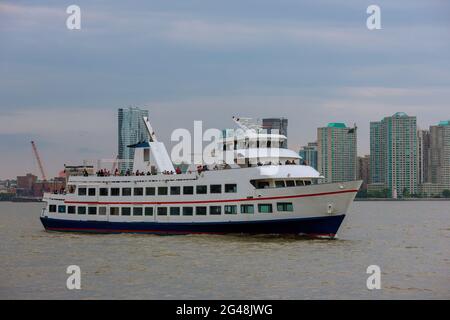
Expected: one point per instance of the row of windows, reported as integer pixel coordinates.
(173, 211)
(283, 184)
(162, 191)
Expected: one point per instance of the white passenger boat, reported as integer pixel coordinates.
(266, 190)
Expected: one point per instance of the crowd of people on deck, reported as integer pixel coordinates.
(117, 172)
(200, 169)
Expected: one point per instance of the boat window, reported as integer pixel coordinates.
(81, 191)
(91, 192)
(52, 208)
(290, 183)
(215, 188)
(150, 191)
(162, 211)
(71, 188)
(138, 191)
(175, 190)
(230, 209)
(285, 207)
(307, 182)
(265, 208)
(103, 191)
(215, 210)
(202, 189)
(247, 208)
(137, 211)
(102, 211)
(279, 184)
(188, 211)
(126, 191)
(231, 188)
(62, 209)
(126, 211)
(263, 185)
(114, 211)
(92, 210)
(299, 183)
(148, 211)
(81, 210)
(200, 211)
(188, 190)
(71, 209)
(175, 211)
(162, 191)
(115, 191)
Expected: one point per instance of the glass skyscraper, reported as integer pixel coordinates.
(131, 130)
(309, 154)
(278, 124)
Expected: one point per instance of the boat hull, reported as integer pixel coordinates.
(325, 226)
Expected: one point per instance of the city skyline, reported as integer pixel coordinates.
(310, 63)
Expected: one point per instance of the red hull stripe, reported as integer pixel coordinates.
(218, 201)
(159, 231)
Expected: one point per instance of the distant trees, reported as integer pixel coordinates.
(385, 193)
(406, 193)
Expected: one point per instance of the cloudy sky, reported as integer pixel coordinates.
(310, 61)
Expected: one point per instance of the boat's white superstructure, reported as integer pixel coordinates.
(264, 190)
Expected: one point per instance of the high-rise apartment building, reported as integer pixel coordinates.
(394, 154)
(131, 130)
(364, 171)
(440, 153)
(337, 150)
(309, 154)
(424, 155)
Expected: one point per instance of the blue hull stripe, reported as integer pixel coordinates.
(317, 226)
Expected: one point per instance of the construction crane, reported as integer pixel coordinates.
(36, 154)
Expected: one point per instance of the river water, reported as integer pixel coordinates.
(409, 241)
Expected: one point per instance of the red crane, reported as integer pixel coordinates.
(41, 168)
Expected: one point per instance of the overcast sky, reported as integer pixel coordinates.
(313, 62)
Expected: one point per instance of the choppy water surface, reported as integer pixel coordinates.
(410, 241)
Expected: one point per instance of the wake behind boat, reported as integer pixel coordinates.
(264, 190)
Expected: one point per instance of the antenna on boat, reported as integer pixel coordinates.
(151, 132)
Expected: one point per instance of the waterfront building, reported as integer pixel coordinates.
(337, 150)
(394, 154)
(440, 153)
(364, 170)
(424, 155)
(26, 182)
(279, 124)
(309, 154)
(131, 130)
(439, 160)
